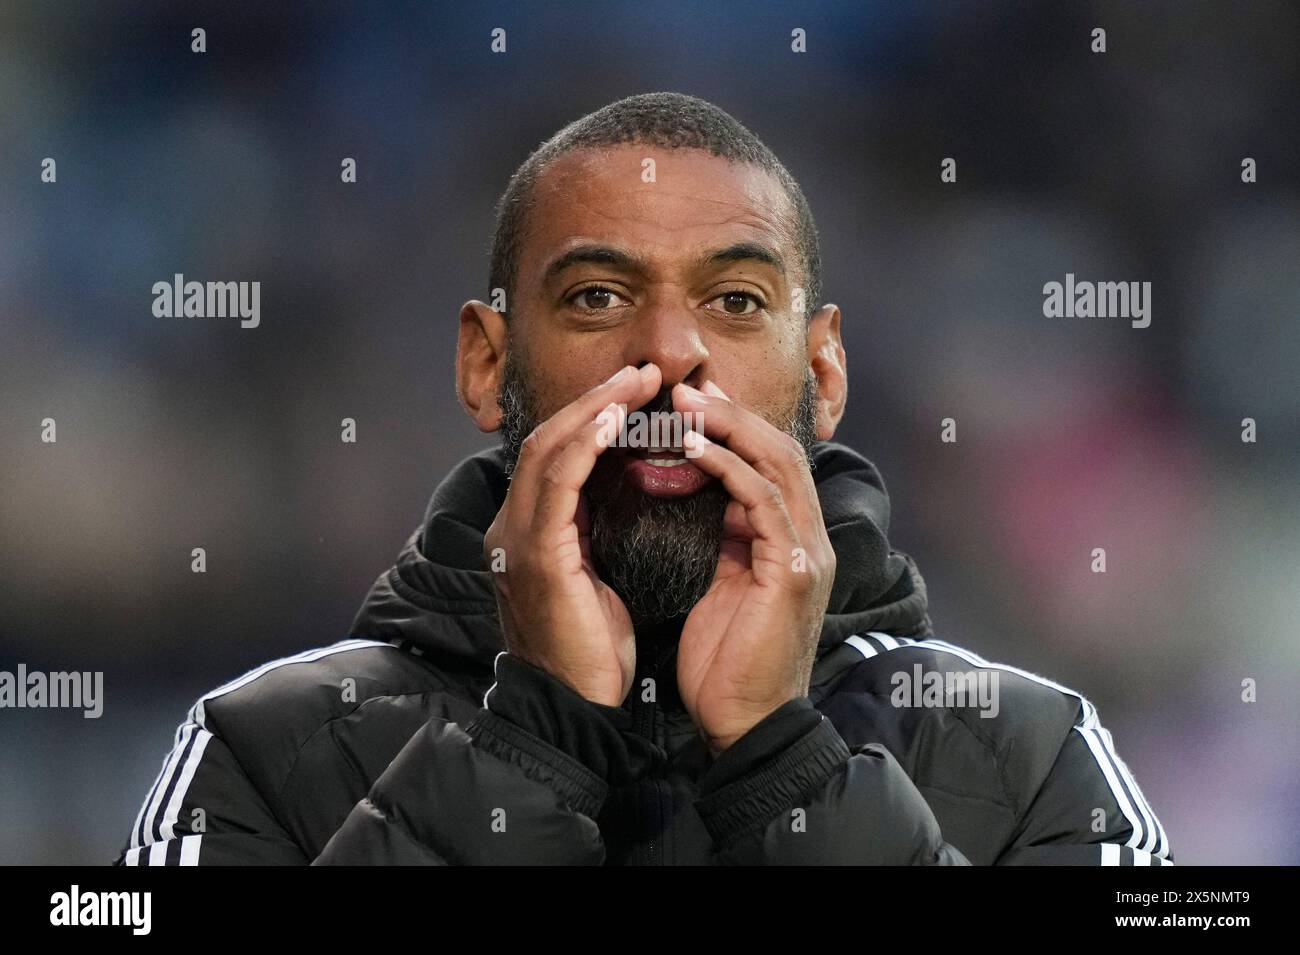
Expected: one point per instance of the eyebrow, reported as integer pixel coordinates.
(607, 255)
(748, 251)
(593, 255)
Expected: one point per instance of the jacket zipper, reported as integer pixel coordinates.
(645, 726)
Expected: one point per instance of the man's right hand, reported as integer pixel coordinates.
(556, 613)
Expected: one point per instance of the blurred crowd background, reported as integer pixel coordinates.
(1072, 433)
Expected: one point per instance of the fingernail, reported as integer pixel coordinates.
(645, 372)
(712, 389)
(620, 374)
(611, 423)
(693, 439)
(693, 392)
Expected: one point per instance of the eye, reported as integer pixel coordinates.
(597, 298)
(737, 303)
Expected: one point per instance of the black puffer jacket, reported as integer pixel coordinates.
(380, 749)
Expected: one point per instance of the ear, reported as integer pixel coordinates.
(829, 366)
(480, 360)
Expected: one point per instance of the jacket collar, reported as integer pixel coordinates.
(438, 595)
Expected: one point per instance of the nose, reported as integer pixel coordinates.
(669, 336)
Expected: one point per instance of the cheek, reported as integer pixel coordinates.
(565, 376)
(773, 401)
(766, 379)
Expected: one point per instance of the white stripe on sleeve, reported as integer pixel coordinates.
(190, 849)
(183, 784)
(862, 646)
(1148, 834)
(148, 815)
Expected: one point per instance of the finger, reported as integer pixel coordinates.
(582, 521)
(769, 450)
(629, 386)
(763, 500)
(559, 486)
(736, 544)
(735, 525)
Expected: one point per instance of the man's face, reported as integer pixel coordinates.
(696, 272)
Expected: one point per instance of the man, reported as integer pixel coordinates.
(668, 651)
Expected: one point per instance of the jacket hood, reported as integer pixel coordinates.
(438, 596)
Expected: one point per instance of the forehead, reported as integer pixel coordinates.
(695, 202)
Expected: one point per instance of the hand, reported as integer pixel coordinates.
(556, 613)
(748, 646)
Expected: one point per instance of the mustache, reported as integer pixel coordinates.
(661, 403)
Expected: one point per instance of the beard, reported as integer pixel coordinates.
(658, 554)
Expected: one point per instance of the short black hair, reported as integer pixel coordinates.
(666, 121)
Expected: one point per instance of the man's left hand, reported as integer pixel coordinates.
(748, 646)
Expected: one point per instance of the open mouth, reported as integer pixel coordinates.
(662, 457)
(662, 471)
